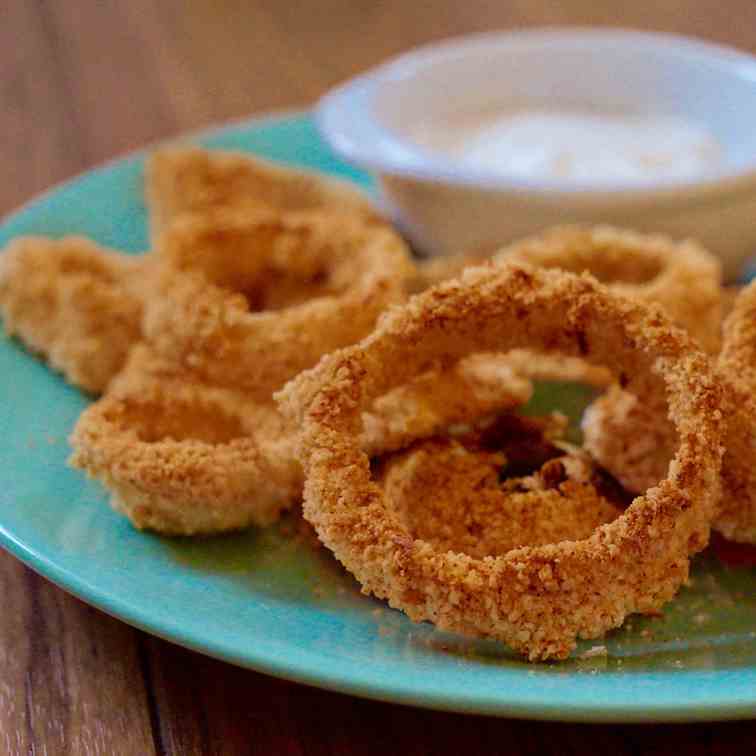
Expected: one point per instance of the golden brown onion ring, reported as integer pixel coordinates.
(537, 599)
(182, 457)
(77, 304)
(249, 300)
(682, 277)
(737, 366)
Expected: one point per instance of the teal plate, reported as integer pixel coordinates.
(272, 601)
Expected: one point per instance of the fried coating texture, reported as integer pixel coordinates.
(633, 439)
(75, 303)
(190, 180)
(247, 301)
(487, 493)
(533, 365)
(737, 366)
(538, 599)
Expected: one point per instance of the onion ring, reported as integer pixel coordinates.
(183, 458)
(449, 491)
(682, 277)
(74, 302)
(316, 282)
(187, 179)
(537, 599)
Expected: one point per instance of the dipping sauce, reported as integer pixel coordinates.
(582, 146)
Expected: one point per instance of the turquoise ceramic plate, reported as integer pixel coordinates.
(272, 602)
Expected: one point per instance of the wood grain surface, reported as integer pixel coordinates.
(84, 80)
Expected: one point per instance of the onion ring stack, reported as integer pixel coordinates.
(681, 277)
(183, 457)
(538, 599)
(241, 300)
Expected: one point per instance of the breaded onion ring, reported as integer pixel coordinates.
(77, 304)
(737, 365)
(192, 180)
(537, 599)
(249, 300)
(183, 458)
(635, 441)
(682, 277)
(487, 493)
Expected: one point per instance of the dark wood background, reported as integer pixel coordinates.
(84, 80)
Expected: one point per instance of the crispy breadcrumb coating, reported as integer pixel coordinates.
(486, 493)
(183, 457)
(737, 366)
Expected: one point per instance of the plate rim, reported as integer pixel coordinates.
(603, 710)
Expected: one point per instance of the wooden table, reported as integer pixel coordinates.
(84, 81)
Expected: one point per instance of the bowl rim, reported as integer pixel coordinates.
(343, 117)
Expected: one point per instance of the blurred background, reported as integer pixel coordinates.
(84, 81)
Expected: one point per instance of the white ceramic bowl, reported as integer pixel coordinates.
(446, 206)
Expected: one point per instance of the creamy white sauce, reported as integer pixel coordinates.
(585, 147)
